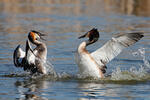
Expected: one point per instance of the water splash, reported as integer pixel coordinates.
(134, 73)
(50, 69)
(141, 53)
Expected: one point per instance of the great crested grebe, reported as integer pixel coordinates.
(32, 60)
(94, 64)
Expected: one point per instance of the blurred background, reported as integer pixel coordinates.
(64, 21)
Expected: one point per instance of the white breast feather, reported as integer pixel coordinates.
(87, 67)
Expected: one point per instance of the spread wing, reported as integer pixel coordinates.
(28, 59)
(23, 58)
(18, 56)
(114, 47)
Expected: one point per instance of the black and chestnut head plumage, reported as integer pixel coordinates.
(93, 36)
(35, 35)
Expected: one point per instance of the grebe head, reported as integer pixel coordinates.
(35, 36)
(93, 36)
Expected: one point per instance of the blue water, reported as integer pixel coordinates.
(64, 21)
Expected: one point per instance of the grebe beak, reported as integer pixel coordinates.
(92, 35)
(42, 37)
(83, 36)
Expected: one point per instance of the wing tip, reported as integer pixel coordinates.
(136, 35)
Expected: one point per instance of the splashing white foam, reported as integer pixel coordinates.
(50, 69)
(141, 52)
(133, 73)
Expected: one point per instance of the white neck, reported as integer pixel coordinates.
(82, 48)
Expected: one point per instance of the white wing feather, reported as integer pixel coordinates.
(114, 47)
(18, 56)
(22, 55)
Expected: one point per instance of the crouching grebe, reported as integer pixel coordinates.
(32, 60)
(94, 64)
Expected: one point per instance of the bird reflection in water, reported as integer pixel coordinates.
(32, 89)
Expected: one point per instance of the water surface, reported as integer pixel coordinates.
(64, 21)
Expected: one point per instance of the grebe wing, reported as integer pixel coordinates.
(18, 56)
(114, 46)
